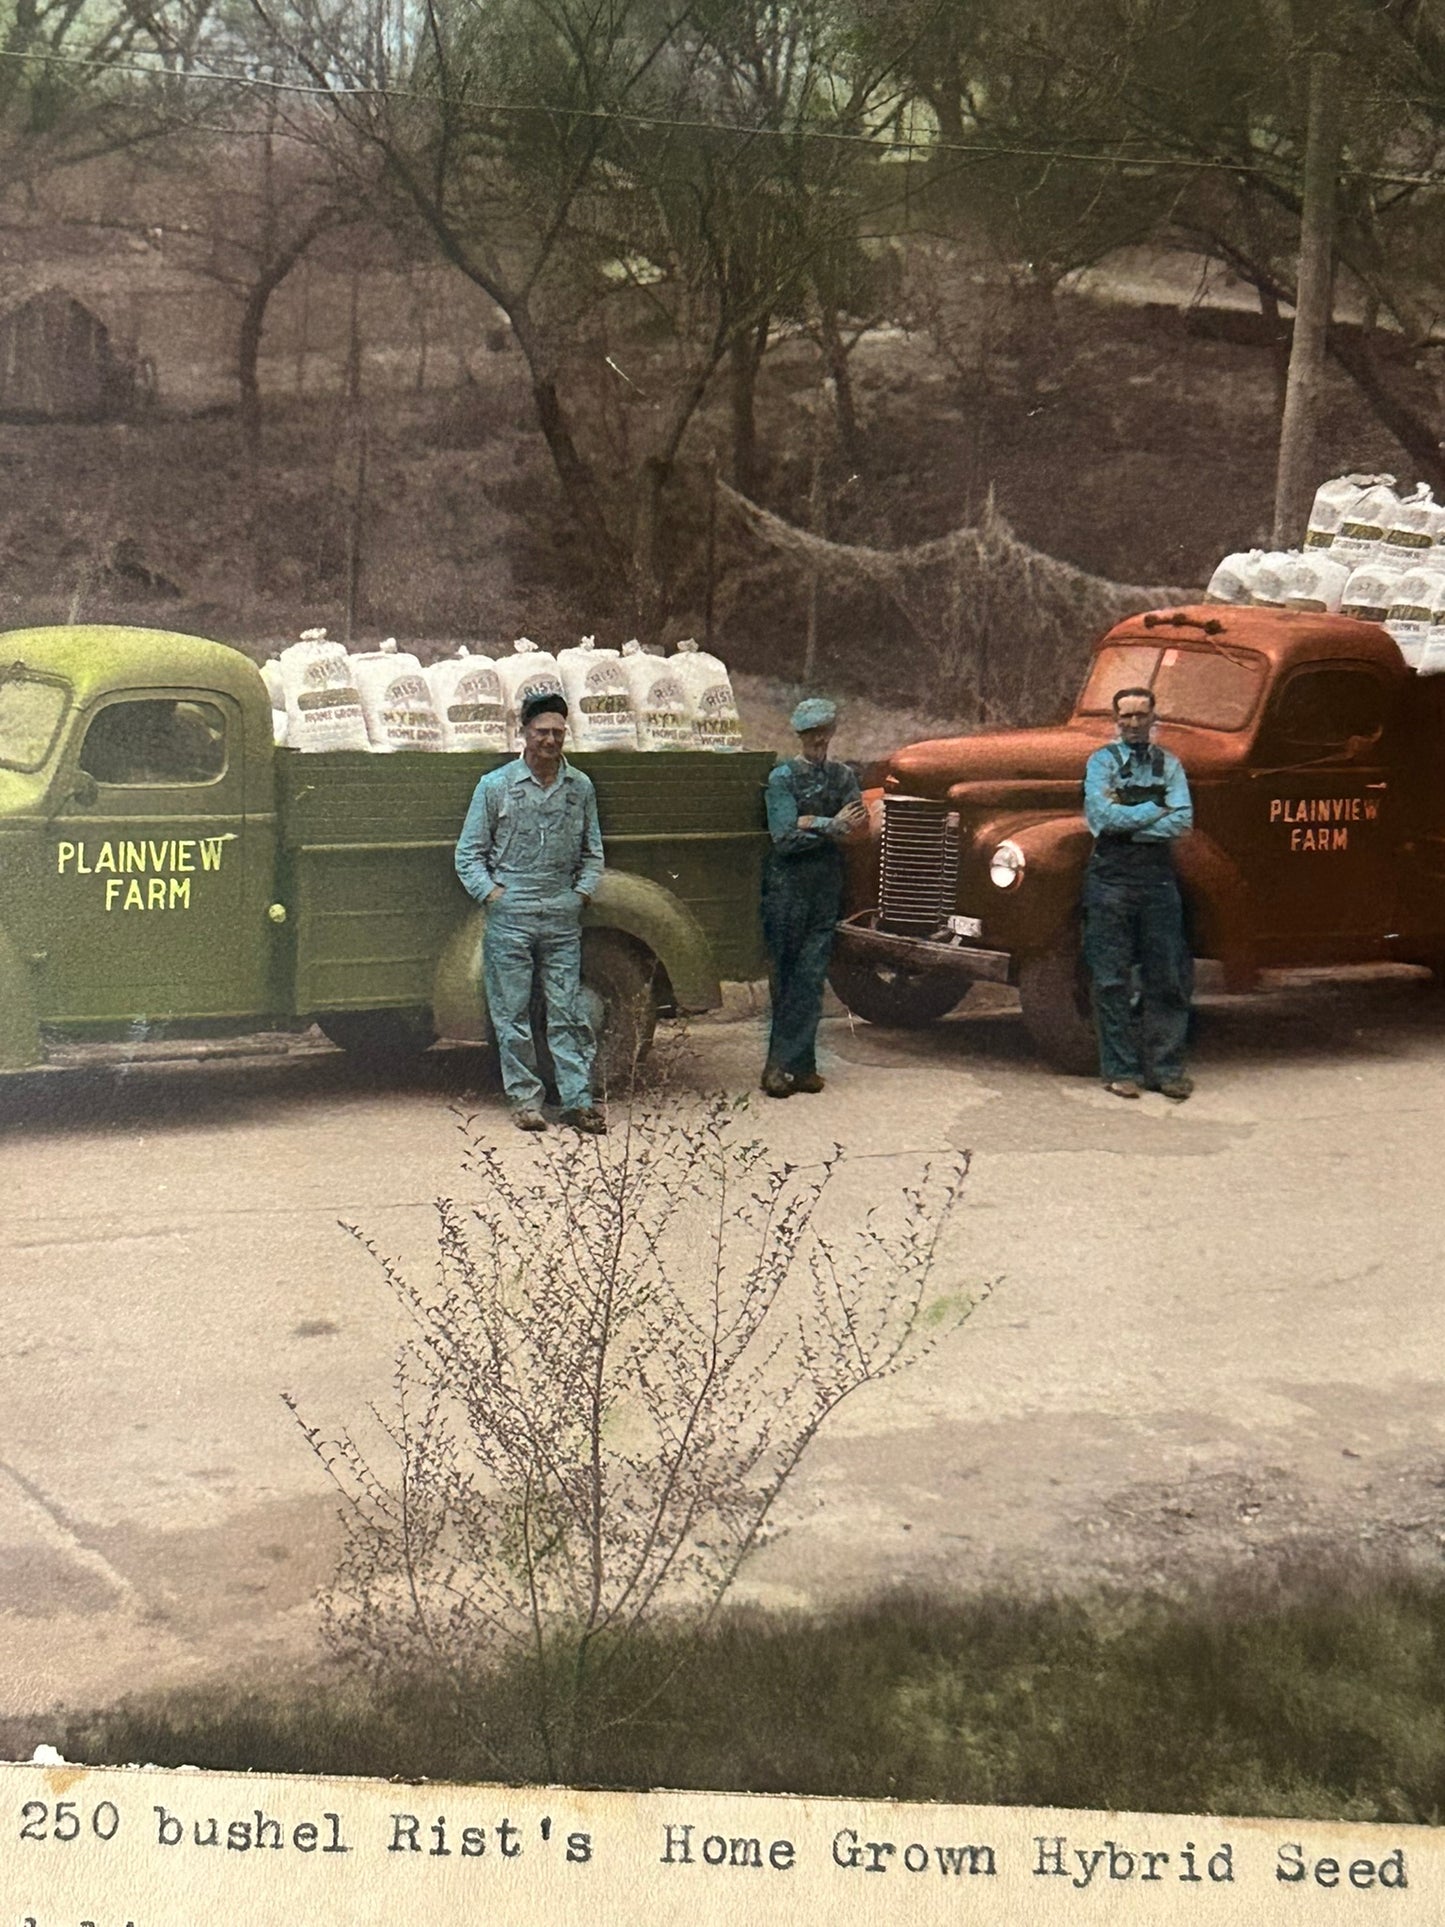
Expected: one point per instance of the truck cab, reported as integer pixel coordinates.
(137, 830)
(1314, 759)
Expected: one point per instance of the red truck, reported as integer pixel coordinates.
(1316, 758)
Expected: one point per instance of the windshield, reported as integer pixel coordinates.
(1211, 688)
(31, 712)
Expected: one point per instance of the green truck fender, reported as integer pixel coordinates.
(19, 1022)
(658, 925)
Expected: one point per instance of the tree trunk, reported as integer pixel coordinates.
(710, 591)
(353, 341)
(745, 355)
(835, 360)
(649, 594)
(1294, 478)
(355, 538)
(579, 487)
(818, 523)
(1279, 332)
(303, 330)
(248, 356)
(253, 324)
(423, 328)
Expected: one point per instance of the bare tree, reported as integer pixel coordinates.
(1069, 127)
(596, 169)
(630, 1346)
(78, 81)
(244, 205)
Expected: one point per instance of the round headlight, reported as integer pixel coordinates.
(1006, 866)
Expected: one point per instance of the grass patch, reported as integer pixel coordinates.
(1305, 1693)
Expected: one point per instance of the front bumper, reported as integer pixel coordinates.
(858, 937)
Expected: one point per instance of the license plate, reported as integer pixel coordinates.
(966, 926)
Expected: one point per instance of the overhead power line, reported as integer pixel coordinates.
(1123, 154)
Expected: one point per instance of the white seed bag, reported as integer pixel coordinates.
(396, 700)
(712, 708)
(1267, 589)
(1314, 581)
(1364, 524)
(528, 671)
(599, 697)
(323, 709)
(1411, 614)
(659, 700)
(1233, 580)
(1370, 591)
(1333, 501)
(467, 693)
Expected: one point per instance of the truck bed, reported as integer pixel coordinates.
(367, 842)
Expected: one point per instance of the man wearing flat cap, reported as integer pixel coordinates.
(813, 804)
(531, 851)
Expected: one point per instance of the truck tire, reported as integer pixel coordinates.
(383, 1038)
(892, 998)
(617, 991)
(1058, 1009)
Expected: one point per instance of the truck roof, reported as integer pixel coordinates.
(98, 658)
(1283, 636)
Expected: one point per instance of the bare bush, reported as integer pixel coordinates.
(628, 1347)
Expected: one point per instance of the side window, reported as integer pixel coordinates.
(153, 740)
(1321, 710)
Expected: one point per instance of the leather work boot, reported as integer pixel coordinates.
(1178, 1088)
(529, 1118)
(1122, 1087)
(587, 1119)
(777, 1083)
(808, 1081)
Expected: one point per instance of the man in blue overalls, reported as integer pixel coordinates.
(1136, 800)
(531, 851)
(812, 804)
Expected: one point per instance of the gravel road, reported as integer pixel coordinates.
(1213, 1330)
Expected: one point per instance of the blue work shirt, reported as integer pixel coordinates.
(535, 842)
(1140, 822)
(800, 788)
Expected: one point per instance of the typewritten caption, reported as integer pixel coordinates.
(152, 1848)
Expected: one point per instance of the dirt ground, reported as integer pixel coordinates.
(1211, 1334)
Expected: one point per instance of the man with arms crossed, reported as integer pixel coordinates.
(812, 804)
(531, 851)
(1136, 800)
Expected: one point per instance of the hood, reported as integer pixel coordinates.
(1003, 755)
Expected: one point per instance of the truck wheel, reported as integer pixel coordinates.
(385, 1038)
(1058, 1009)
(617, 994)
(893, 998)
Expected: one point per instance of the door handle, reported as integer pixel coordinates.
(1377, 786)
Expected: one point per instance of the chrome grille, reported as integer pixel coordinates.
(920, 864)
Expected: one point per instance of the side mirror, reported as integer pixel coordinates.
(84, 791)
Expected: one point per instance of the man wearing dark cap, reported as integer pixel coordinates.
(812, 804)
(531, 851)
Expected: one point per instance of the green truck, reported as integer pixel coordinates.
(166, 871)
